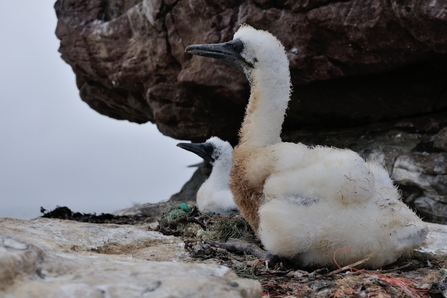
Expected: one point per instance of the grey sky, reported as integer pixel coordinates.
(54, 149)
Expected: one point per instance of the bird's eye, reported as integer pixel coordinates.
(238, 46)
(208, 148)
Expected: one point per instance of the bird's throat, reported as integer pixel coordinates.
(264, 115)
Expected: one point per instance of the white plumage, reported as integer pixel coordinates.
(309, 204)
(214, 194)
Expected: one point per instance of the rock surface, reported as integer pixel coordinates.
(440, 141)
(436, 242)
(56, 258)
(352, 62)
(424, 178)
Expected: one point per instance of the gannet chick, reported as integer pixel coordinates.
(308, 204)
(214, 194)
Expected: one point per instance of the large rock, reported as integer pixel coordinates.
(57, 258)
(352, 62)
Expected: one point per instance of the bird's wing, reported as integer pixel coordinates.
(319, 173)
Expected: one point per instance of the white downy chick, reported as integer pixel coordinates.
(214, 194)
(307, 204)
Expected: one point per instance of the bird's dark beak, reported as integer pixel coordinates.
(229, 52)
(204, 150)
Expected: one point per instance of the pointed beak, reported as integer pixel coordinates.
(203, 150)
(229, 52)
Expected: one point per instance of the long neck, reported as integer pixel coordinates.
(220, 176)
(266, 108)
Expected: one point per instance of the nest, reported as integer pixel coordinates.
(190, 222)
(229, 241)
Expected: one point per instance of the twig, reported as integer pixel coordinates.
(397, 268)
(244, 246)
(347, 267)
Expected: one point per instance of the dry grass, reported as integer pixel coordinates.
(194, 224)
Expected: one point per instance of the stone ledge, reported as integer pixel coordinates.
(54, 258)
